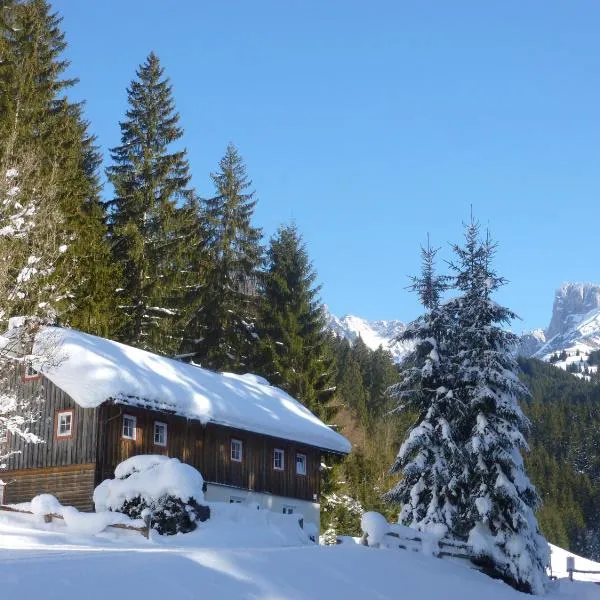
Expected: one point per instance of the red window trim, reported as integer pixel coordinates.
(154, 442)
(135, 428)
(56, 422)
(25, 377)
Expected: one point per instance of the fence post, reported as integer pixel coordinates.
(570, 566)
(147, 516)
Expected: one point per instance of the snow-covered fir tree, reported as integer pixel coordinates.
(497, 511)
(47, 146)
(430, 459)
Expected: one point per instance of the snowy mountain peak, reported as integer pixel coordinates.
(572, 302)
(574, 330)
(373, 333)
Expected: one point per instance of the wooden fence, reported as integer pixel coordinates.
(145, 530)
(571, 569)
(461, 550)
(447, 548)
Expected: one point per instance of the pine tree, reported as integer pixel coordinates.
(499, 502)
(294, 350)
(220, 333)
(352, 391)
(430, 459)
(55, 261)
(48, 144)
(151, 214)
(381, 375)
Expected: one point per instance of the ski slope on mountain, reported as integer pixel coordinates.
(231, 560)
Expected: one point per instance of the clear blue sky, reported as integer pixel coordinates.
(372, 123)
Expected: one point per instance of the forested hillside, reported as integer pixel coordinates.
(564, 462)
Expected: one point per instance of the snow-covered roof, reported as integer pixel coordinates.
(92, 370)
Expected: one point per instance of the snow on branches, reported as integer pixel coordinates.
(461, 463)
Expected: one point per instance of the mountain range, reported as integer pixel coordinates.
(574, 328)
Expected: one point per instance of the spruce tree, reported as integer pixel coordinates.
(46, 140)
(430, 459)
(294, 350)
(352, 390)
(151, 214)
(497, 513)
(221, 331)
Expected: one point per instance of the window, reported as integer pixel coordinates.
(129, 425)
(3, 432)
(278, 459)
(301, 464)
(235, 499)
(29, 373)
(64, 423)
(236, 450)
(160, 433)
(288, 510)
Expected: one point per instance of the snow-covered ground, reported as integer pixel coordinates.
(233, 556)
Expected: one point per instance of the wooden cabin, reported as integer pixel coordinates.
(102, 402)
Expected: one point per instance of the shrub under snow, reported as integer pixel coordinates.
(169, 489)
(46, 504)
(375, 525)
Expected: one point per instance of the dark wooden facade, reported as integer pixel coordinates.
(208, 449)
(63, 466)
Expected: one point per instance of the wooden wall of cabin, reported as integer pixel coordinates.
(208, 448)
(78, 448)
(72, 485)
(62, 466)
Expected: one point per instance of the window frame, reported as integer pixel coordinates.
(126, 437)
(298, 455)
(24, 372)
(275, 467)
(166, 430)
(233, 442)
(59, 414)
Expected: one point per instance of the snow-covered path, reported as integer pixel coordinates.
(294, 573)
(43, 561)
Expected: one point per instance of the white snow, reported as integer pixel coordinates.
(558, 559)
(93, 370)
(230, 557)
(77, 523)
(46, 504)
(149, 476)
(375, 526)
(373, 333)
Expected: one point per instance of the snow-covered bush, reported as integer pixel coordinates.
(46, 504)
(169, 489)
(375, 526)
